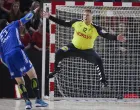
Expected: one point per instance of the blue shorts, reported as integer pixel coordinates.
(18, 63)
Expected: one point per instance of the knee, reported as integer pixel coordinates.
(32, 73)
(22, 88)
(60, 51)
(98, 60)
(20, 81)
(34, 83)
(59, 54)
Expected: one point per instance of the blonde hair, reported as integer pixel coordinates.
(88, 10)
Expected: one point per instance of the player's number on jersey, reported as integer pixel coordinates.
(84, 29)
(3, 36)
(4, 33)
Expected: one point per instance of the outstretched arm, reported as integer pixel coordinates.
(28, 17)
(109, 36)
(58, 21)
(62, 22)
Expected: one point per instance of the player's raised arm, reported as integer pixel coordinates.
(28, 16)
(109, 36)
(58, 21)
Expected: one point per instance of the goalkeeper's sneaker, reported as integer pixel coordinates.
(105, 86)
(40, 103)
(28, 105)
(51, 75)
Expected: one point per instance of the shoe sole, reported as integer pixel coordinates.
(28, 108)
(38, 105)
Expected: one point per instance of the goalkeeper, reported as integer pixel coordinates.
(85, 34)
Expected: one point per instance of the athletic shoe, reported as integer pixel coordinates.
(40, 103)
(51, 75)
(105, 86)
(28, 105)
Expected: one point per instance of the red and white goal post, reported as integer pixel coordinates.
(121, 68)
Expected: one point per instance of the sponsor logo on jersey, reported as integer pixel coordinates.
(83, 35)
(4, 36)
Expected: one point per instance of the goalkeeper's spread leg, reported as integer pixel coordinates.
(57, 70)
(51, 75)
(60, 54)
(102, 78)
(93, 57)
(105, 86)
(100, 71)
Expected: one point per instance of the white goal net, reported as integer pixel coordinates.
(78, 78)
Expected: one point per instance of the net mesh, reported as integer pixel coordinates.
(78, 78)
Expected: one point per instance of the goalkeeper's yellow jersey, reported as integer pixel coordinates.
(84, 35)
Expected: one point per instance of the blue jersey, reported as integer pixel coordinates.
(9, 36)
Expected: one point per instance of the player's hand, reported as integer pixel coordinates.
(36, 10)
(121, 38)
(40, 49)
(46, 14)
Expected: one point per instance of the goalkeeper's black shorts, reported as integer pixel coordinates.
(71, 51)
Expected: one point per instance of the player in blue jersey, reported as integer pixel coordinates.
(12, 54)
